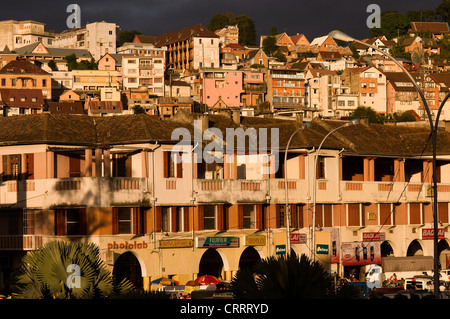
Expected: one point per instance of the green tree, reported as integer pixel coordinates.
(287, 277)
(52, 65)
(219, 21)
(444, 45)
(269, 45)
(406, 116)
(127, 36)
(443, 10)
(393, 24)
(247, 30)
(44, 273)
(365, 112)
(280, 56)
(246, 25)
(398, 51)
(73, 64)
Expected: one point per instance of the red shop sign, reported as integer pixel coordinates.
(428, 233)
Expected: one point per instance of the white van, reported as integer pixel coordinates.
(419, 283)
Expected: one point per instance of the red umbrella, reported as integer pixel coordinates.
(207, 280)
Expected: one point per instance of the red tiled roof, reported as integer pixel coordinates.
(183, 34)
(234, 46)
(23, 98)
(434, 27)
(22, 67)
(105, 106)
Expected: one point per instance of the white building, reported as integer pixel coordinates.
(144, 72)
(97, 37)
(16, 34)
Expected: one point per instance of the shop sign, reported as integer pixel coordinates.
(127, 245)
(175, 243)
(361, 253)
(322, 249)
(280, 249)
(428, 233)
(255, 240)
(297, 238)
(373, 236)
(217, 242)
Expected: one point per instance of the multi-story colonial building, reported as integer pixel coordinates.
(97, 37)
(15, 34)
(144, 71)
(192, 47)
(222, 88)
(158, 209)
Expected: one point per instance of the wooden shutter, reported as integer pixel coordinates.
(385, 214)
(319, 215)
(200, 217)
(277, 216)
(240, 216)
(328, 215)
(136, 220)
(354, 215)
(259, 216)
(179, 166)
(443, 212)
(83, 221)
(300, 216)
(166, 164)
(186, 218)
(173, 219)
(158, 218)
(60, 222)
(220, 221)
(115, 220)
(294, 216)
(414, 213)
(30, 165)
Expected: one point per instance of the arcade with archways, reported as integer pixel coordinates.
(127, 266)
(249, 258)
(211, 263)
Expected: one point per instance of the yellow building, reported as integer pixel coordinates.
(94, 80)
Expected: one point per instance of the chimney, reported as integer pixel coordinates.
(237, 117)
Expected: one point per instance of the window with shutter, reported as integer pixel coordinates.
(414, 214)
(354, 215)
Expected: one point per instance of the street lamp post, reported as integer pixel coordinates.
(433, 127)
(288, 211)
(313, 237)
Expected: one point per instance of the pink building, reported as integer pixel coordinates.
(228, 88)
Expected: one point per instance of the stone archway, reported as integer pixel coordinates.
(386, 249)
(127, 266)
(249, 258)
(211, 263)
(414, 249)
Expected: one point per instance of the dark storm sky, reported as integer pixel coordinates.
(153, 17)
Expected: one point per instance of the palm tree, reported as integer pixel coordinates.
(288, 277)
(46, 273)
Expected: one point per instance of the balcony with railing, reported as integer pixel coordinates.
(20, 242)
(84, 191)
